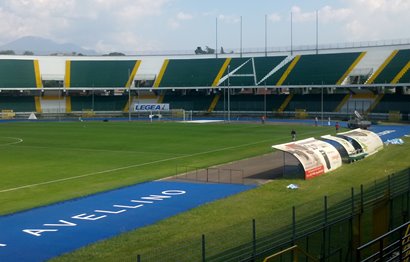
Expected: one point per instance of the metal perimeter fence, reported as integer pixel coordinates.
(189, 115)
(330, 229)
(209, 175)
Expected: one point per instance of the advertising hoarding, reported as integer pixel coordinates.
(316, 156)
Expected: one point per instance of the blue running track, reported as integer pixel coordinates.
(387, 132)
(42, 233)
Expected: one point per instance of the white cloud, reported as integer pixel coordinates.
(377, 19)
(115, 25)
(184, 16)
(173, 23)
(212, 13)
(299, 16)
(230, 19)
(362, 20)
(326, 14)
(127, 42)
(76, 20)
(274, 17)
(330, 14)
(390, 6)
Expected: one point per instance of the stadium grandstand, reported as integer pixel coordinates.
(332, 82)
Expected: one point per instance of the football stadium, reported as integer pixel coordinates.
(190, 157)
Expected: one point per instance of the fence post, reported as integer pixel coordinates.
(293, 225)
(351, 223)
(307, 248)
(292, 258)
(390, 200)
(352, 198)
(324, 228)
(203, 248)
(361, 199)
(138, 258)
(408, 196)
(253, 239)
(359, 226)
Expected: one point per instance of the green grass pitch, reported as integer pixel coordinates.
(43, 163)
(48, 162)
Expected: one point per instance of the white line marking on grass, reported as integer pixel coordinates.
(103, 150)
(128, 167)
(139, 165)
(17, 141)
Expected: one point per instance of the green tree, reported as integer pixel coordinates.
(7, 52)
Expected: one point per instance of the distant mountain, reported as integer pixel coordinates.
(43, 46)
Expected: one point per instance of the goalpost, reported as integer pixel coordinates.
(181, 115)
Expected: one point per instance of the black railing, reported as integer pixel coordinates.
(392, 246)
(332, 234)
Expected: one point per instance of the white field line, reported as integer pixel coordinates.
(18, 141)
(136, 165)
(127, 167)
(103, 150)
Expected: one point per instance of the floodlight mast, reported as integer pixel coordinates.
(129, 97)
(229, 98)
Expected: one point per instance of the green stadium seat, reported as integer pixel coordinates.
(100, 74)
(17, 73)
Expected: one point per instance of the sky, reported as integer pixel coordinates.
(161, 25)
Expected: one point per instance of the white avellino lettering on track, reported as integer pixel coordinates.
(121, 206)
(38, 232)
(110, 212)
(173, 192)
(88, 217)
(141, 201)
(155, 197)
(63, 224)
(151, 199)
(386, 132)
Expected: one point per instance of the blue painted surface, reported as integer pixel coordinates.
(86, 220)
(387, 132)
